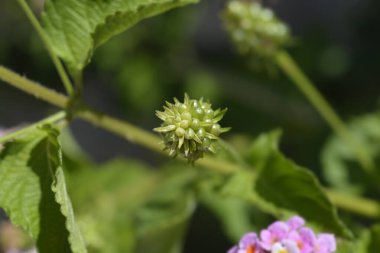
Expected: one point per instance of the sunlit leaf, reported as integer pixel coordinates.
(292, 187)
(33, 192)
(77, 27)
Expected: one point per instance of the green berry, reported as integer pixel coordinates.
(184, 123)
(186, 116)
(201, 132)
(215, 129)
(198, 112)
(195, 124)
(189, 134)
(190, 128)
(209, 114)
(180, 132)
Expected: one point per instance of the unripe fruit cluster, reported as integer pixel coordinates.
(190, 128)
(254, 29)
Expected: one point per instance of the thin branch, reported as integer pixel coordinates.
(33, 88)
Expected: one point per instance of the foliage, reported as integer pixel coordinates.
(340, 169)
(34, 191)
(296, 188)
(77, 28)
(67, 202)
(125, 206)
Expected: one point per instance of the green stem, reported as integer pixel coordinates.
(123, 129)
(139, 136)
(78, 80)
(290, 67)
(49, 120)
(45, 39)
(33, 88)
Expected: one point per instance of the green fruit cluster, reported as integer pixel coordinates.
(255, 30)
(191, 128)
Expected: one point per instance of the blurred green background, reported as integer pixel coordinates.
(337, 43)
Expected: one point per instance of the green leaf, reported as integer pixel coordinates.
(263, 147)
(292, 187)
(77, 27)
(33, 191)
(340, 168)
(161, 224)
(239, 184)
(145, 211)
(238, 207)
(106, 198)
(234, 213)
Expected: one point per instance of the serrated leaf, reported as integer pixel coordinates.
(263, 146)
(77, 27)
(33, 192)
(292, 187)
(289, 186)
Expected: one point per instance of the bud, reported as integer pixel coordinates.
(190, 128)
(255, 30)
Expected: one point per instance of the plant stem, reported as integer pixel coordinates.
(33, 88)
(49, 120)
(290, 67)
(45, 39)
(123, 129)
(365, 207)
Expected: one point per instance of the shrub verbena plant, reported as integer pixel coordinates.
(65, 202)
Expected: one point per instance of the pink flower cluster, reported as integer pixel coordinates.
(286, 237)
